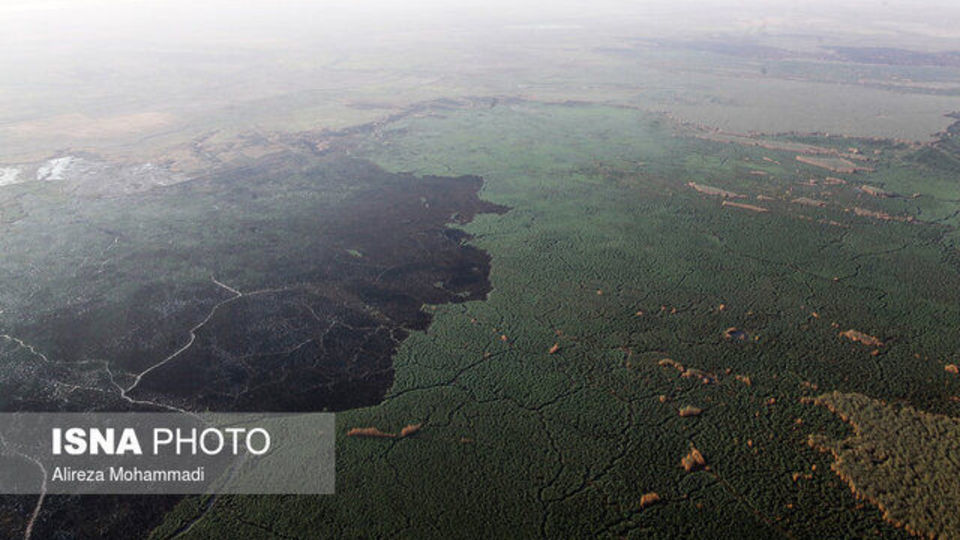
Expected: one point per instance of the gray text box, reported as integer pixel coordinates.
(166, 453)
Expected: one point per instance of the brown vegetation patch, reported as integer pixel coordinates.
(833, 164)
(649, 499)
(370, 432)
(863, 212)
(714, 191)
(693, 461)
(410, 429)
(667, 362)
(866, 339)
(689, 410)
(876, 192)
(746, 140)
(745, 206)
(806, 201)
(705, 376)
(374, 432)
(832, 223)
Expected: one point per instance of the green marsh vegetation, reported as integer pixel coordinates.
(609, 254)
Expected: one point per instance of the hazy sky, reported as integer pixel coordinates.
(56, 22)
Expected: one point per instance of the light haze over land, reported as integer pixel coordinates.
(143, 75)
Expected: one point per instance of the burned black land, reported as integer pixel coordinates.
(322, 336)
(282, 285)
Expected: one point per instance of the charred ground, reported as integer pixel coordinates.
(282, 285)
